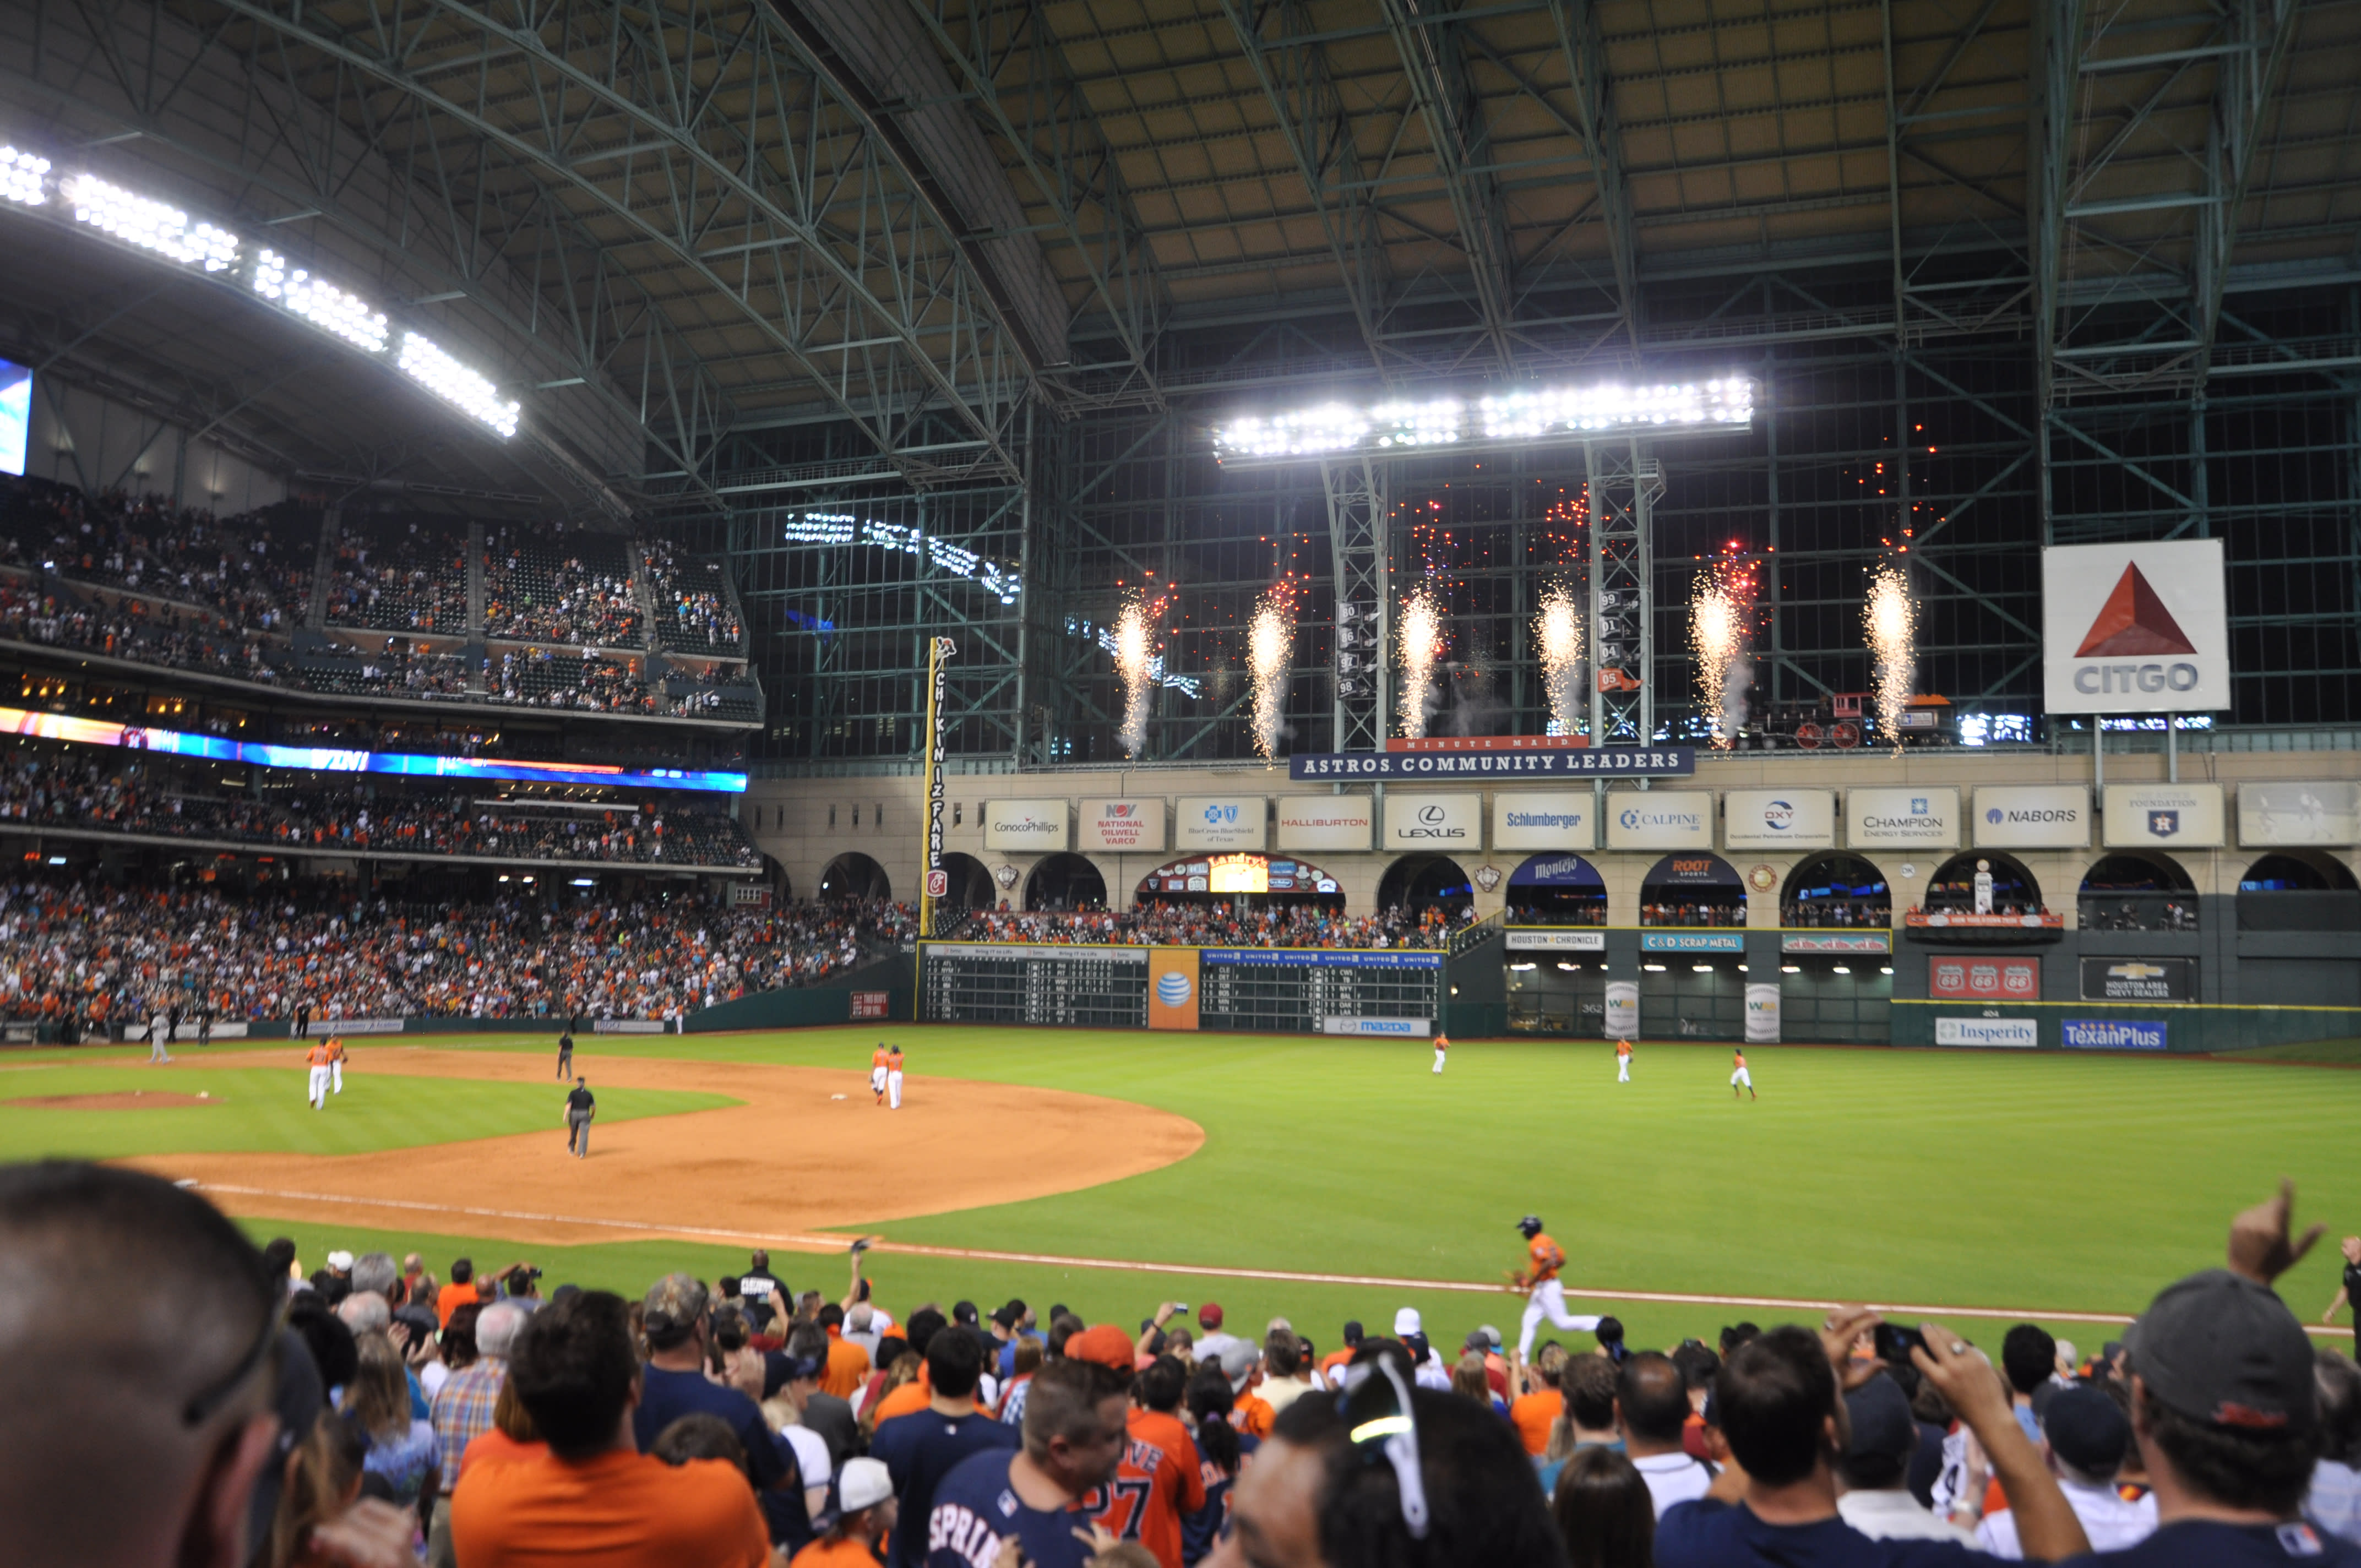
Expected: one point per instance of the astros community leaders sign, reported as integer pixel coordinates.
(1605, 762)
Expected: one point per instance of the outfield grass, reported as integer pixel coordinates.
(1994, 1180)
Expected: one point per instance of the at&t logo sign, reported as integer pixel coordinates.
(1172, 988)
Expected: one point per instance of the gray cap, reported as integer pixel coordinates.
(2220, 1349)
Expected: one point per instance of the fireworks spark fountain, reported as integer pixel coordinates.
(1271, 646)
(1557, 629)
(1721, 628)
(1135, 656)
(1418, 645)
(1890, 620)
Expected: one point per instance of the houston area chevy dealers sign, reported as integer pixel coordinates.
(2135, 627)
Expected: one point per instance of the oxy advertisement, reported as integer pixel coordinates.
(1660, 820)
(1544, 819)
(1119, 827)
(2033, 816)
(1219, 822)
(2163, 817)
(1436, 823)
(1326, 821)
(1924, 818)
(2135, 627)
(1779, 818)
(1024, 826)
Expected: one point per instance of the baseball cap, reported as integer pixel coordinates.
(863, 1484)
(1106, 1344)
(341, 1262)
(2087, 1428)
(676, 1301)
(779, 1369)
(1489, 1335)
(1209, 1316)
(964, 1312)
(2223, 1349)
(1353, 1330)
(1407, 1321)
(1007, 1317)
(1879, 1414)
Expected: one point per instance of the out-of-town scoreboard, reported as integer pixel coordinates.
(1273, 990)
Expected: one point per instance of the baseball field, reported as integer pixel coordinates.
(1322, 1179)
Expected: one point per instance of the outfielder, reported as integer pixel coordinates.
(877, 1072)
(1547, 1296)
(1622, 1061)
(336, 1061)
(894, 1077)
(160, 1031)
(318, 1058)
(1442, 1044)
(1739, 1075)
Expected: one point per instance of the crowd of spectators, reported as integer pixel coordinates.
(137, 630)
(407, 578)
(1565, 912)
(363, 1413)
(251, 570)
(420, 673)
(578, 590)
(1693, 912)
(1221, 924)
(75, 950)
(1839, 913)
(694, 612)
(543, 677)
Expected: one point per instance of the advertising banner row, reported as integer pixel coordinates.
(2004, 817)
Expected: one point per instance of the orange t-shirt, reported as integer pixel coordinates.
(1547, 1257)
(848, 1364)
(1533, 1414)
(1254, 1415)
(1333, 1364)
(616, 1510)
(493, 1446)
(1159, 1479)
(450, 1298)
(834, 1554)
(319, 1056)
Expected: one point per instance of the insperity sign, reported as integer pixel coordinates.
(2135, 627)
(1598, 763)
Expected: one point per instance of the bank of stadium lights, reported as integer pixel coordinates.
(1528, 415)
(163, 229)
(843, 528)
(22, 178)
(322, 304)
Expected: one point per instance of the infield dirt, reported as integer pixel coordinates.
(808, 1148)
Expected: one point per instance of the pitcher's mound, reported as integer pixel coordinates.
(128, 1100)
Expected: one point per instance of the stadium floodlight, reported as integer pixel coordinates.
(425, 362)
(23, 178)
(150, 224)
(322, 304)
(1497, 419)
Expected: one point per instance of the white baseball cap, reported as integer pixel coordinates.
(1407, 1321)
(340, 1261)
(863, 1484)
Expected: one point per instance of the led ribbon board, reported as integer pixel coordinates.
(1497, 419)
(332, 760)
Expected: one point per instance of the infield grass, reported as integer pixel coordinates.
(1978, 1179)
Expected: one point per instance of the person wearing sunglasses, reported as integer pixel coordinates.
(136, 1434)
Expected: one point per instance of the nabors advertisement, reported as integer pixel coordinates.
(2135, 627)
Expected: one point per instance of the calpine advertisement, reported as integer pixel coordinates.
(1024, 826)
(1120, 827)
(2135, 627)
(1660, 820)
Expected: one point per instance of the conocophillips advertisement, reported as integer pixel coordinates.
(1925, 818)
(1779, 818)
(1326, 821)
(1218, 822)
(2166, 815)
(1660, 820)
(1436, 822)
(1024, 826)
(2033, 816)
(1119, 827)
(1544, 819)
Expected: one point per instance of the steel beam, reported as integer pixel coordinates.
(1360, 562)
(1585, 47)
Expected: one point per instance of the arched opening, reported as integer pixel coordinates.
(1065, 882)
(1835, 891)
(1953, 889)
(2136, 890)
(971, 886)
(1556, 890)
(1692, 890)
(2299, 890)
(855, 876)
(1416, 883)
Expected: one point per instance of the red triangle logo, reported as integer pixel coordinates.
(2132, 620)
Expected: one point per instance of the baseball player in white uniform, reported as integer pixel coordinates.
(160, 1031)
(1741, 1079)
(893, 1079)
(1442, 1044)
(877, 1072)
(1545, 1293)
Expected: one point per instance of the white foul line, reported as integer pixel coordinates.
(813, 1243)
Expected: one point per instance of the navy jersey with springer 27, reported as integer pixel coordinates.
(975, 1505)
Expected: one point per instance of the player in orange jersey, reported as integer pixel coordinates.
(1739, 1075)
(877, 1072)
(320, 1058)
(894, 1077)
(1545, 1296)
(1622, 1061)
(1442, 1044)
(336, 1062)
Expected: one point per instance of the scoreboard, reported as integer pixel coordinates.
(1270, 990)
